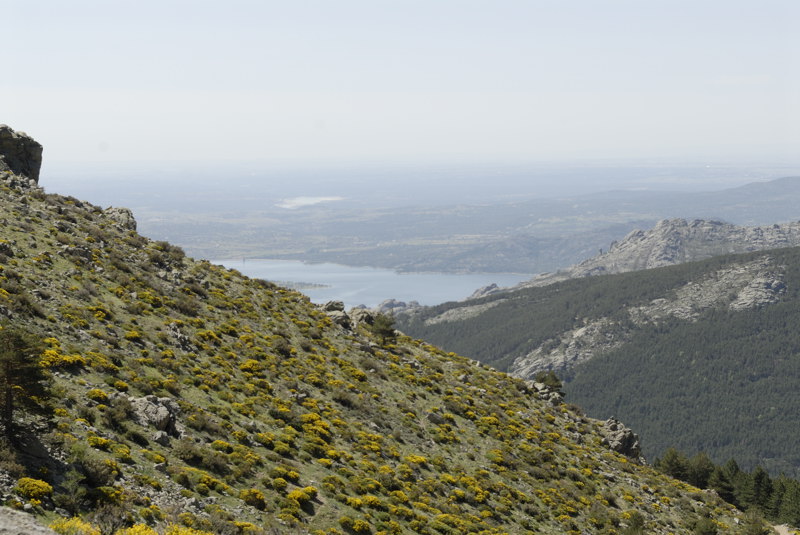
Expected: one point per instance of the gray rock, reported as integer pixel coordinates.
(6, 249)
(339, 318)
(393, 306)
(122, 216)
(675, 241)
(20, 153)
(485, 290)
(621, 439)
(183, 341)
(436, 419)
(160, 413)
(18, 523)
(361, 315)
(332, 306)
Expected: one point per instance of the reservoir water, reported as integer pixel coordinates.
(369, 286)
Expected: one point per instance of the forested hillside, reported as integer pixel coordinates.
(703, 356)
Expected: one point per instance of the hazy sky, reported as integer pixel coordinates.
(403, 80)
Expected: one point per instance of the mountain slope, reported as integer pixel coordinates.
(188, 394)
(700, 355)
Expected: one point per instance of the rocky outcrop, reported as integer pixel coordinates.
(674, 241)
(547, 392)
(362, 315)
(463, 312)
(121, 216)
(738, 287)
(158, 413)
(20, 153)
(394, 306)
(621, 439)
(335, 311)
(571, 348)
(485, 290)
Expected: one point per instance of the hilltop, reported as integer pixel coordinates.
(185, 394)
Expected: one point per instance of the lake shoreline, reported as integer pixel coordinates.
(369, 286)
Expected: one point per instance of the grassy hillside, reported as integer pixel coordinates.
(184, 394)
(711, 378)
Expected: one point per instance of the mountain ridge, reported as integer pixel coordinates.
(673, 241)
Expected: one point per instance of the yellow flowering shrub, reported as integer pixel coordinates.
(33, 488)
(74, 526)
(137, 529)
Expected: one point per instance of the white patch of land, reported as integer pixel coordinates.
(299, 202)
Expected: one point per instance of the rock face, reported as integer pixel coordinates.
(548, 393)
(740, 287)
(485, 290)
(19, 153)
(121, 216)
(621, 439)
(394, 306)
(335, 311)
(674, 241)
(159, 413)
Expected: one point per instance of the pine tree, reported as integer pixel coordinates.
(720, 482)
(674, 464)
(383, 326)
(762, 488)
(699, 469)
(790, 505)
(23, 383)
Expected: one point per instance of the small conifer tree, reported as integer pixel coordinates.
(23, 382)
(383, 327)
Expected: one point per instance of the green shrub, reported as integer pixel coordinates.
(254, 498)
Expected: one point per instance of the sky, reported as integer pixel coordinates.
(310, 82)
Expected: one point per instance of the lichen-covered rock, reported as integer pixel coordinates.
(20, 153)
(159, 413)
(332, 306)
(122, 216)
(621, 439)
(361, 315)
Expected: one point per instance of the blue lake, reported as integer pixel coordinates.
(369, 286)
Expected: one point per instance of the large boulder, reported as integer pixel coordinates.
(158, 413)
(121, 216)
(621, 439)
(20, 153)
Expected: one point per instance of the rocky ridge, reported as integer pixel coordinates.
(675, 241)
(739, 287)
